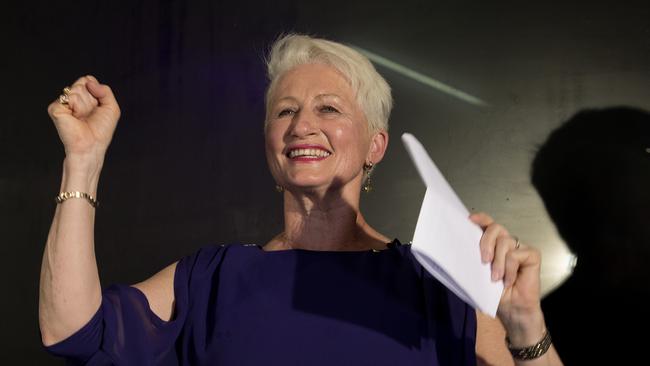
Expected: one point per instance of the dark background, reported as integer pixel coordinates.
(187, 166)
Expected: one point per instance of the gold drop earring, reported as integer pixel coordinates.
(367, 185)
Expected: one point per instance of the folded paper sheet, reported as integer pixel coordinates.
(446, 242)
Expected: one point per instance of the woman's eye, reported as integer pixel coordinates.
(328, 109)
(286, 112)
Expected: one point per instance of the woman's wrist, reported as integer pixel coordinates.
(89, 163)
(81, 174)
(526, 328)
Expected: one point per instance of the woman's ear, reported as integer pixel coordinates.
(378, 145)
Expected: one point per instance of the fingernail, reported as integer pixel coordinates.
(495, 275)
(485, 257)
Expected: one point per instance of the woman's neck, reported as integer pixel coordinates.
(330, 221)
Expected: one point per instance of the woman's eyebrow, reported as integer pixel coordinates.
(332, 98)
(289, 98)
(323, 96)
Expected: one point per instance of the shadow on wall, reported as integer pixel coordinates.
(593, 174)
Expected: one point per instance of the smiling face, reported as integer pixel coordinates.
(317, 136)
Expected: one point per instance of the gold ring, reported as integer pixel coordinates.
(66, 90)
(64, 99)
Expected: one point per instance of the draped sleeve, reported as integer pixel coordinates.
(124, 330)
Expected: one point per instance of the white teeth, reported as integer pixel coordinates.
(312, 153)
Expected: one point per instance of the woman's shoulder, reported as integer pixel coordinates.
(159, 289)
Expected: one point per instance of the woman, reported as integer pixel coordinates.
(327, 290)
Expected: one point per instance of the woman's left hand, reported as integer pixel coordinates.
(519, 267)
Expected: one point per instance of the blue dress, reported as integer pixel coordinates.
(240, 305)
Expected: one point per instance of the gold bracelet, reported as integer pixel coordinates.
(531, 352)
(65, 195)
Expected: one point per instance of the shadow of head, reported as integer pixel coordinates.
(593, 174)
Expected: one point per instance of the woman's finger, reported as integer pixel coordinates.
(81, 101)
(519, 261)
(481, 219)
(87, 97)
(504, 244)
(76, 105)
(489, 241)
(56, 110)
(486, 245)
(102, 93)
(512, 263)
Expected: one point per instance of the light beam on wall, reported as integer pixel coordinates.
(447, 89)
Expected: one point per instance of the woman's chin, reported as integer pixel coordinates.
(311, 187)
(312, 183)
(306, 187)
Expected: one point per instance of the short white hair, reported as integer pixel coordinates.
(372, 91)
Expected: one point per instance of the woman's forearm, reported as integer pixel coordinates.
(528, 330)
(70, 291)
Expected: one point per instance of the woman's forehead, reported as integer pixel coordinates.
(320, 79)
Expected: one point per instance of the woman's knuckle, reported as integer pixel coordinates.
(536, 253)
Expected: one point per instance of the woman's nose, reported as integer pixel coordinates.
(303, 124)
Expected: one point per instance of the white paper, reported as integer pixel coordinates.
(446, 241)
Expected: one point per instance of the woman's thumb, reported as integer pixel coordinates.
(102, 92)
